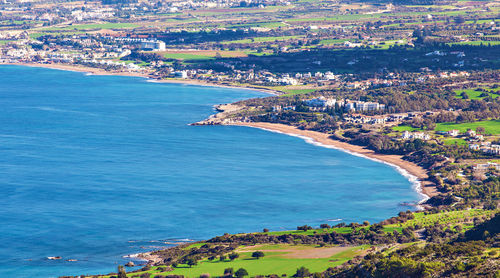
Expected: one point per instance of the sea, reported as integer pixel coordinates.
(95, 168)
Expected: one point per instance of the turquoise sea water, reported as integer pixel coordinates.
(93, 168)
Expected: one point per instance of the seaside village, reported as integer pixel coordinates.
(105, 51)
(55, 40)
(476, 140)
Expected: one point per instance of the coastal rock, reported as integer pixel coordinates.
(130, 264)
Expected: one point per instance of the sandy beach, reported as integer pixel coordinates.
(423, 187)
(98, 71)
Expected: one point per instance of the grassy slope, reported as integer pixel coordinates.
(491, 126)
(279, 261)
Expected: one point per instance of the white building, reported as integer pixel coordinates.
(415, 135)
(154, 45)
(320, 102)
(454, 132)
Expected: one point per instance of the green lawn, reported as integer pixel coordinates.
(292, 92)
(454, 141)
(402, 128)
(491, 126)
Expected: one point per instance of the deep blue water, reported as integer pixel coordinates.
(96, 167)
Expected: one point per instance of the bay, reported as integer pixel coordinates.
(93, 168)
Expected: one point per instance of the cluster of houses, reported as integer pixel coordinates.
(362, 119)
(486, 166)
(322, 103)
(486, 147)
(415, 135)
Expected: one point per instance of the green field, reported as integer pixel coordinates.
(491, 126)
(187, 56)
(270, 25)
(292, 92)
(277, 260)
(476, 43)
(263, 39)
(473, 94)
(273, 263)
(92, 26)
(454, 141)
(402, 128)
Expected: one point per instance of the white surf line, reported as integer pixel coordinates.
(416, 184)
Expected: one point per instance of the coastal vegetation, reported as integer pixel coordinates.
(459, 236)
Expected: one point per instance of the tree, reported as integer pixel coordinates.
(258, 254)
(241, 273)
(222, 258)
(302, 272)
(233, 256)
(304, 228)
(191, 262)
(121, 272)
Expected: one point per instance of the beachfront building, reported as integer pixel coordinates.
(180, 74)
(320, 102)
(362, 106)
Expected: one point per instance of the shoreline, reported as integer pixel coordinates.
(414, 173)
(148, 77)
